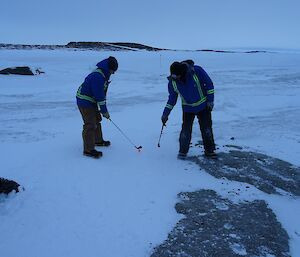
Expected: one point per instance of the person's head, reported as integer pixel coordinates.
(178, 70)
(112, 64)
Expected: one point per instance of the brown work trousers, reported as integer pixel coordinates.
(92, 131)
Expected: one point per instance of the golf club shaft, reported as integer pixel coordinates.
(161, 131)
(124, 134)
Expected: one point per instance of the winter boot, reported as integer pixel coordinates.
(181, 156)
(210, 154)
(94, 153)
(103, 143)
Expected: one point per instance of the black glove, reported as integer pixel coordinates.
(210, 106)
(164, 119)
(106, 115)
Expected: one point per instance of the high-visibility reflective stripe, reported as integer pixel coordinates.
(177, 91)
(211, 91)
(102, 103)
(197, 103)
(84, 97)
(89, 98)
(202, 97)
(100, 71)
(175, 86)
(198, 86)
(105, 83)
(169, 106)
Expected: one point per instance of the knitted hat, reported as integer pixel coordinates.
(189, 62)
(178, 69)
(112, 63)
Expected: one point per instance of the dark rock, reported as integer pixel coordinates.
(17, 71)
(214, 226)
(7, 186)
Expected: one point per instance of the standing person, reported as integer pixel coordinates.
(196, 90)
(91, 95)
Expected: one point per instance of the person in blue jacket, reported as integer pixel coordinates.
(91, 102)
(196, 91)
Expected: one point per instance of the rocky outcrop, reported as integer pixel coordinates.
(24, 70)
(112, 46)
(7, 186)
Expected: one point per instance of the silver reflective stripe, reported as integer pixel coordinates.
(211, 91)
(169, 106)
(102, 102)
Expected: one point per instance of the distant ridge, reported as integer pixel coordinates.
(116, 46)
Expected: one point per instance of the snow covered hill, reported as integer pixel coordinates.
(123, 204)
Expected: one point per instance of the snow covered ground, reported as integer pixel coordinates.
(123, 203)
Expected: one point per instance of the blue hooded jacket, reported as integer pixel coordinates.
(92, 92)
(195, 92)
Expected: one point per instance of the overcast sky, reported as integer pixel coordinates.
(185, 24)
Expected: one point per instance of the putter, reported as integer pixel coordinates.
(139, 148)
(162, 127)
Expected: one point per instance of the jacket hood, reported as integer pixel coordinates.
(103, 65)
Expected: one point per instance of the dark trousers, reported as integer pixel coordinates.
(92, 131)
(205, 122)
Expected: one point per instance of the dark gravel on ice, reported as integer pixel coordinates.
(214, 226)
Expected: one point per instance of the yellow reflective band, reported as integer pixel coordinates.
(198, 86)
(197, 103)
(102, 103)
(175, 86)
(84, 97)
(210, 91)
(202, 97)
(101, 72)
(177, 91)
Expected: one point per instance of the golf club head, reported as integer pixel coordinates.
(139, 148)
